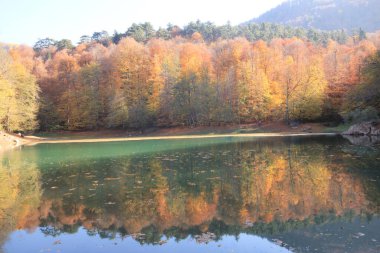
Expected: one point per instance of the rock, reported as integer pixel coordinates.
(371, 128)
(307, 129)
(8, 141)
(363, 140)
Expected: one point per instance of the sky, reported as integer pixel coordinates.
(26, 21)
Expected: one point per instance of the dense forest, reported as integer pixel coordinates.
(210, 32)
(189, 77)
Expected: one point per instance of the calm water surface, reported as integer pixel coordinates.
(305, 194)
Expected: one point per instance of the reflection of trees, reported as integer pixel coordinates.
(297, 184)
(364, 160)
(20, 192)
(259, 187)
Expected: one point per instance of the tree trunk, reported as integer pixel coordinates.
(287, 108)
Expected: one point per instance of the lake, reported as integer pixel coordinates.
(278, 194)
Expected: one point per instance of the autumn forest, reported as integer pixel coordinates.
(256, 132)
(175, 77)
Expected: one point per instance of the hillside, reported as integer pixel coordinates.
(326, 14)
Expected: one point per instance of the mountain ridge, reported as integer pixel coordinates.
(325, 14)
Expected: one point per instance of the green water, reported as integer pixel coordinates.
(294, 194)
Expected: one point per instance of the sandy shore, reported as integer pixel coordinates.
(9, 141)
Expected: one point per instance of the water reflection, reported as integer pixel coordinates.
(206, 191)
(20, 195)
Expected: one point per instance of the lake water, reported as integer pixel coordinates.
(291, 194)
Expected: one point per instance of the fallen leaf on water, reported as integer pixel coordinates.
(112, 178)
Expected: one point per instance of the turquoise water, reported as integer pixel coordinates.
(288, 194)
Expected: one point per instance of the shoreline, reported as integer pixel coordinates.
(11, 141)
(34, 141)
(173, 133)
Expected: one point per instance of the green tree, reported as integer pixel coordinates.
(64, 44)
(43, 43)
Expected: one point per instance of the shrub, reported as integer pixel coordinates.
(361, 115)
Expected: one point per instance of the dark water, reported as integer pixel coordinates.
(305, 194)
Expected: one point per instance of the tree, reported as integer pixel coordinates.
(141, 32)
(116, 37)
(118, 116)
(163, 33)
(43, 43)
(84, 39)
(195, 62)
(101, 37)
(131, 68)
(64, 44)
(89, 96)
(19, 93)
(367, 94)
(67, 104)
(309, 97)
(303, 84)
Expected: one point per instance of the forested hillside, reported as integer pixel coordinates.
(211, 32)
(184, 81)
(326, 14)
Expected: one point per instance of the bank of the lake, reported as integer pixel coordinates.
(175, 137)
(267, 130)
(9, 141)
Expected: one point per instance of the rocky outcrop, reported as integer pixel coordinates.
(363, 140)
(371, 128)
